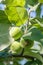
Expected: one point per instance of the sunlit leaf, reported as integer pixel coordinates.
(14, 2)
(17, 15)
(40, 1)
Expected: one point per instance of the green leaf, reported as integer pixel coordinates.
(40, 1)
(1, 63)
(35, 55)
(39, 27)
(37, 22)
(34, 35)
(38, 11)
(14, 2)
(3, 17)
(28, 63)
(15, 62)
(17, 15)
(31, 2)
(4, 35)
(33, 63)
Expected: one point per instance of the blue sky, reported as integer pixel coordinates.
(2, 6)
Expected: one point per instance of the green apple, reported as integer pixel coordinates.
(23, 43)
(15, 32)
(15, 47)
(26, 43)
(40, 1)
(29, 43)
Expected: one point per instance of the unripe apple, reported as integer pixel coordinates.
(15, 47)
(26, 43)
(15, 32)
(29, 43)
(40, 1)
(23, 43)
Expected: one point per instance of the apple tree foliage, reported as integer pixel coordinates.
(21, 36)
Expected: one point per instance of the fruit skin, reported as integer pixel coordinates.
(23, 43)
(40, 1)
(29, 43)
(15, 32)
(15, 47)
(26, 43)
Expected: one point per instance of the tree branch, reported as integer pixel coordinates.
(9, 55)
(22, 56)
